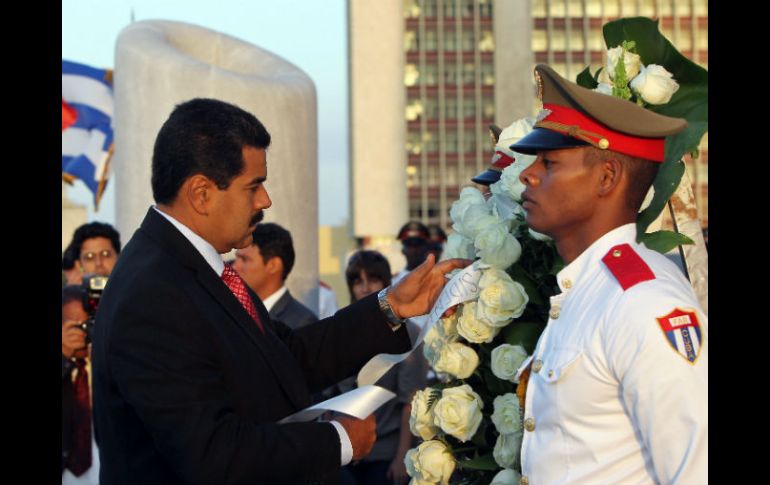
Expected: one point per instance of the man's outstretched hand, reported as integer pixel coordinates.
(418, 291)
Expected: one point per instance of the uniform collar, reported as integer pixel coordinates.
(571, 274)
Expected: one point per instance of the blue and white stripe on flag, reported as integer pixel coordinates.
(87, 137)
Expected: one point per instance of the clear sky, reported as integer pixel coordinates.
(312, 34)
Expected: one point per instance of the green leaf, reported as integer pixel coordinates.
(666, 182)
(485, 462)
(585, 79)
(690, 101)
(519, 275)
(664, 241)
(524, 334)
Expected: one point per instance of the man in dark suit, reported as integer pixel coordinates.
(190, 374)
(264, 266)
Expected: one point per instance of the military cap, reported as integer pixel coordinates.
(582, 117)
(413, 230)
(503, 155)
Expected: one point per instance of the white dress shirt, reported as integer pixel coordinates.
(214, 259)
(271, 300)
(610, 398)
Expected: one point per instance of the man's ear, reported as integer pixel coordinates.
(274, 266)
(611, 171)
(198, 191)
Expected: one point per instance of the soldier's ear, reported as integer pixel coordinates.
(274, 265)
(610, 173)
(198, 190)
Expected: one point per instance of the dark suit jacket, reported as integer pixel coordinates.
(291, 312)
(187, 389)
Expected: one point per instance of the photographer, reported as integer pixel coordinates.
(79, 455)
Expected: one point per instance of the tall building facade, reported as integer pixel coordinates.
(567, 35)
(458, 66)
(451, 57)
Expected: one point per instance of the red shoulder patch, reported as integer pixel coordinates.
(627, 266)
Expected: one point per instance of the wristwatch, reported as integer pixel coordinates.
(394, 322)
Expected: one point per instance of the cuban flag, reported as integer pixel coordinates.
(86, 124)
(683, 332)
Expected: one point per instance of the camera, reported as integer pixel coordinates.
(93, 286)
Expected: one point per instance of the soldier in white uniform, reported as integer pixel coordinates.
(618, 384)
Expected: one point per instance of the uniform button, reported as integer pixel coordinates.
(537, 365)
(617, 253)
(529, 424)
(554, 313)
(550, 373)
(567, 283)
(523, 480)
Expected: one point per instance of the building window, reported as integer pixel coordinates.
(411, 41)
(430, 40)
(413, 143)
(469, 73)
(449, 9)
(450, 74)
(429, 8)
(488, 74)
(450, 108)
(469, 108)
(485, 8)
(450, 144)
(487, 41)
(450, 41)
(429, 75)
(412, 176)
(414, 109)
(411, 75)
(469, 143)
(431, 109)
(468, 41)
(429, 142)
(488, 108)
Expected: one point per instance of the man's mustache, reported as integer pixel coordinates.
(257, 218)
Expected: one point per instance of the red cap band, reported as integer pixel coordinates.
(647, 148)
(501, 160)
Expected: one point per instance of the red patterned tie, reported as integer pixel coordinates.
(238, 287)
(80, 456)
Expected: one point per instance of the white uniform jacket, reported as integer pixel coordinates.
(618, 389)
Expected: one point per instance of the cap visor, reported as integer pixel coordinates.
(487, 177)
(540, 139)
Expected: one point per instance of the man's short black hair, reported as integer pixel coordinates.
(72, 293)
(373, 263)
(275, 241)
(203, 136)
(90, 231)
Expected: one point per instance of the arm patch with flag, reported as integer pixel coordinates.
(86, 138)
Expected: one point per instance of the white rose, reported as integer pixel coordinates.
(655, 84)
(458, 246)
(509, 183)
(507, 449)
(631, 61)
(421, 416)
(432, 345)
(514, 132)
(458, 412)
(457, 359)
(470, 200)
(447, 327)
(506, 477)
(430, 462)
(506, 359)
(507, 414)
(497, 246)
(500, 298)
(604, 89)
(474, 220)
(472, 329)
(538, 236)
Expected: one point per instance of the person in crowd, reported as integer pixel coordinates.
(414, 237)
(70, 268)
(79, 457)
(436, 240)
(97, 246)
(264, 266)
(327, 300)
(369, 272)
(617, 387)
(191, 375)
